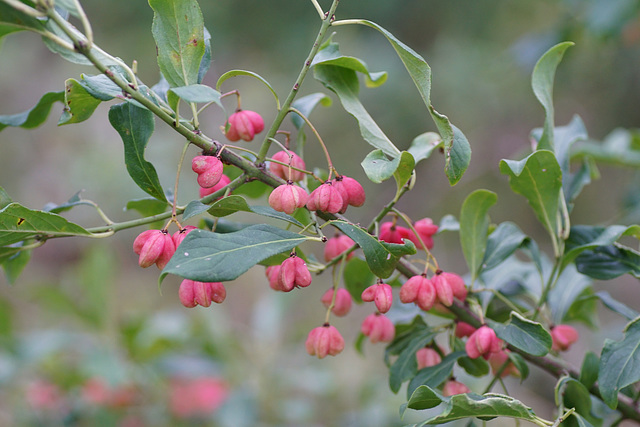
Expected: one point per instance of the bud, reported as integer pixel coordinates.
(378, 328)
(194, 293)
(293, 273)
(391, 233)
(483, 342)
(496, 360)
(425, 229)
(427, 357)
(451, 281)
(453, 387)
(464, 330)
(287, 198)
(324, 340)
(325, 198)
(283, 171)
(209, 170)
(336, 246)
(381, 293)
(224, 181)
(342, 303)
(563, 337)
(154, 247)
(179, 235)
(244, 124)
(420, 290)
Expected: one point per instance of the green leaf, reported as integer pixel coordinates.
(520, 364)
(589, 369)
(616, 306)
(73, 201)
(329, 54)
(197, 93)
(456, 147)
(344, 82)
(474, 367)
(234, 73)
(448, 223)
(306, 104)
(72, 55)
(501, 244)
(618, 148)
(148, 207)
(619, 364)
(406, 365)
(404, 171)
(405, 333)
(382, 257)
(5, 199)
(178, 30)
(15, 20)
(18, 223)
(69, 6)
(524, 334)
(378, 167)
(228, 205)
(474, 227)
(35, 116)
(542, 83)
(212, 257)
(433, 376)
(101, 86)
(538, 178)
(232, 204)
(489, 405)
(585, 237)
(423, 145)
(357, 277)
(574, 395)
(135, 126)
(79, 103)
(205, 64)
(14, 265)
(609, 262)
(570, 288)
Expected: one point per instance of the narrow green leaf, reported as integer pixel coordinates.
(178, 30)
(205, 64)
(234, 73)
(344, 82)
(474, 367)
(14, 265)
(35, 116)
(620, 364)
(585, 237)
(100, 86)
(574, 395)
(73, 201)
(378, 167)
(148, 207)
(14, 20)
(406, 365)
(212, 257)
(424, 397)
(405, 333)
(135, 126)
(521, 365)
(617, 149)
(79, 103)
(501, 244)
(474, 226)
(448, 223)
(329, 54)
(617, 306)
(197, 93)
(571, 286)
(524, 334)
(433, 376)
(228, 205)
(609, 262)
(542, 83)
(269, 212)
(18, 223)
(382, 257)
(357, 277)
(423, 145)
(5, 199)
(71, 55)
(404, 171)
(589, 369)
(538, 178)
(306, 104)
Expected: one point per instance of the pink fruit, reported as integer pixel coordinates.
(563, 337)
(464, 329)
(244, 124)
(283, 171)
(378, 328)
(194, 293)
(179, 235)
(427, 357)
(273, 274)
(287, 198)
(392, 233)
(293, 273)
(224, 181)
(425, 229)
(324, 341)
(209, 170)
(336, 246)
(342, 303)
(154, 247)
(496, 360)
(352, 189)
(325, 198)
(452, 281)
(483, 342)
(381, 293)
(453, 387)
(420, 290)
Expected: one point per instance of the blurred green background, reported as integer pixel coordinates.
(83, 309)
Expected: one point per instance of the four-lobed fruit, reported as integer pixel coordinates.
(325, 198)
(336, 246)
(378, 327)
(224, 181)
(381, 294)
(281, 171)
(324, 341)
(192, 293)
(244, 124)
(287, 198)
(154, 247)
(341, 304)
(209, 170)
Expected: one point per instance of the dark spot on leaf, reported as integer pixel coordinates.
(194, 42)
(20, 221)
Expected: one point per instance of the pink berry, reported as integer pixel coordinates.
(224, 181)
(209, 170)
(563, 337)
(342, 303)
(352, 188)
(381, 293)
(378, 328)
(464, 329)
(425, 229)
(179, 235)
(336, 246)
(420, 290)
(194, 293)
(325, 198)
(444, 291)
(287, 198)
(392, 233)
(452, 281)
(427, 357)
(453, 387)
(283, 171)
(293, 273)
(244, 124)
(483, 342)
(496, 360)
(156, 247)
(324, 341)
